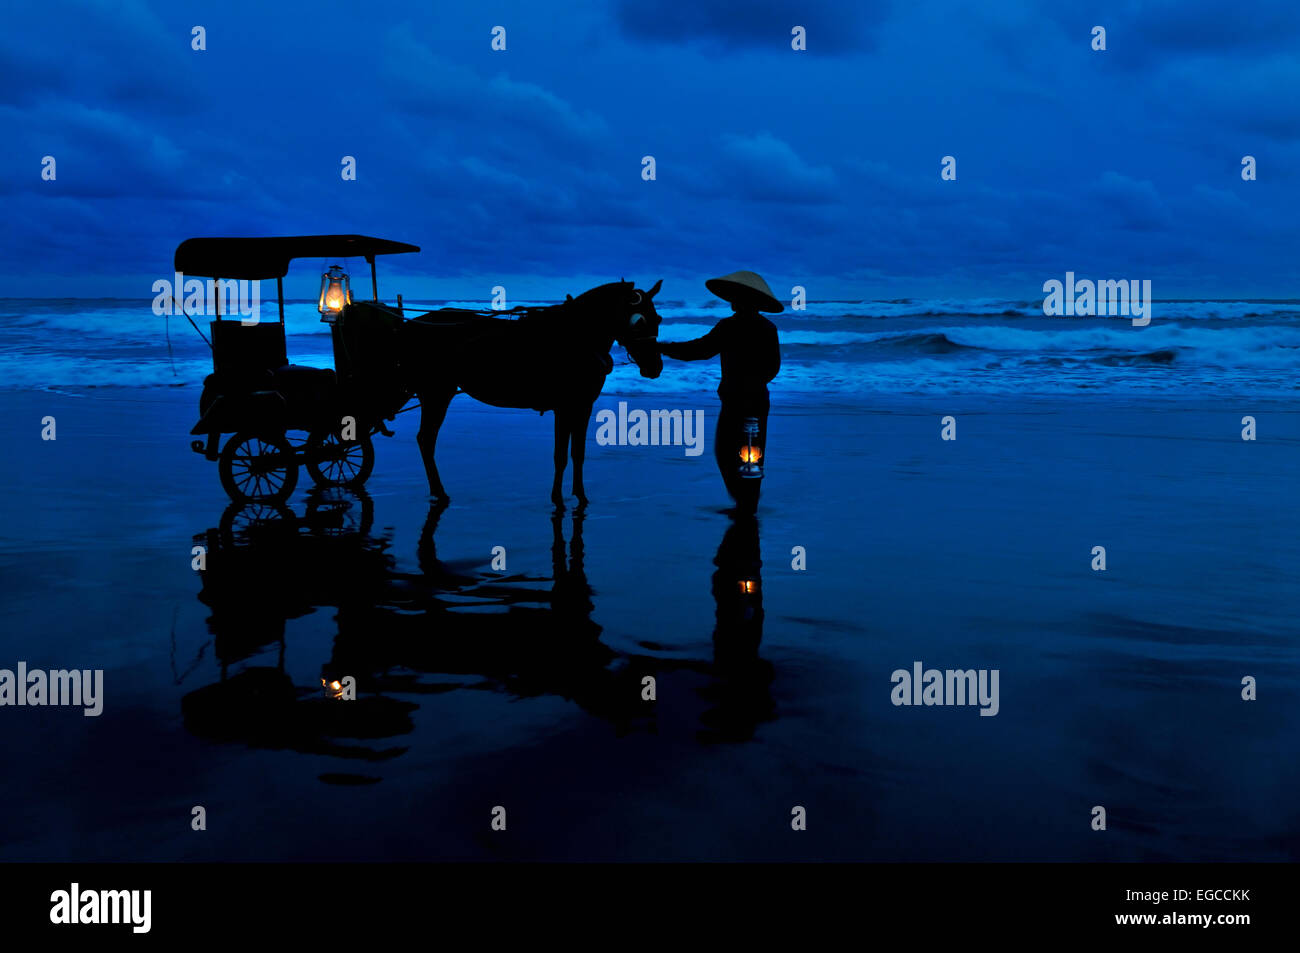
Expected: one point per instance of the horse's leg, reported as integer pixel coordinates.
(578, 437)
(433, 410)
(562, 419)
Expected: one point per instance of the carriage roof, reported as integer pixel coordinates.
(256, 258)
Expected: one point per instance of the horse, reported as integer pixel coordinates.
(551, 358)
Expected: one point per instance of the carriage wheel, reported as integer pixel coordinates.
(333, 461)
(244, 523)
(258, 468)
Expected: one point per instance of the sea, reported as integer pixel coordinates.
(832, 351)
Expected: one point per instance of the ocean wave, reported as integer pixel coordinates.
(964, 372)
(98, 316)
(123, 344)
(1124, 337)
(823, 380)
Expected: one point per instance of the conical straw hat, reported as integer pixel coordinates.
(745, 288)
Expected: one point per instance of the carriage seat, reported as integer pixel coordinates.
(305, 387)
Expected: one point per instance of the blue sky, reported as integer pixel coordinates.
(523, 168)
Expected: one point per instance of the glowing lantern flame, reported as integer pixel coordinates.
(335, 292)
(750, 453)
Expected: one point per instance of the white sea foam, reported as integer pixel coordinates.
(930, 346)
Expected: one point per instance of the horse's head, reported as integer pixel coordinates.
(637, 329)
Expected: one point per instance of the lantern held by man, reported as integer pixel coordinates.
(751, 455)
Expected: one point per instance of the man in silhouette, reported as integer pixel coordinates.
(751, 357)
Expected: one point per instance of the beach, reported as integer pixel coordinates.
(522, 688)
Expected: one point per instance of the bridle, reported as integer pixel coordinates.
(633, 319)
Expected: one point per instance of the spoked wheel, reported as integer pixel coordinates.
(245, 523)
(258, 468)
(333, 461)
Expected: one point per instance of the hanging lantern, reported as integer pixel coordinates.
(748, 587)
(751, 455)
(335, 293)
(332, 687)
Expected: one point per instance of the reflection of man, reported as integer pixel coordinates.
(751, 357)
(743, 698)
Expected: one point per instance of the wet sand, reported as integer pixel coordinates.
(522, 688)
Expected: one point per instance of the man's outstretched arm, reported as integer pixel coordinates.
(697, 350)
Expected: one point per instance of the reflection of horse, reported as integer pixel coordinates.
(529, 640)
(553, 358)
(528, 636)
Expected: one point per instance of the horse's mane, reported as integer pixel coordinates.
(589, 300)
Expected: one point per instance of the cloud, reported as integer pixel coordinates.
(1256, 96)
(1211, 26)
(1129, 203)
(499, 163)
(762, 168)
(105, 51)
(834, 26)
(428, 85)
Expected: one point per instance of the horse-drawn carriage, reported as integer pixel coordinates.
(552, 357)
(282, 415)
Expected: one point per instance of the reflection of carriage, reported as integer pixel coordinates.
(265, 565)
(256, 395)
